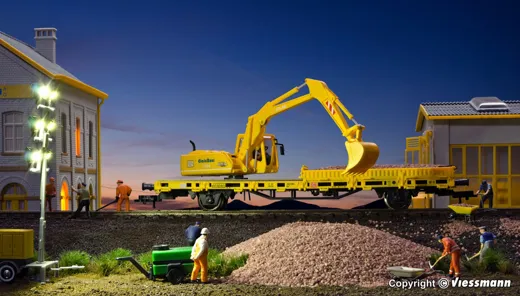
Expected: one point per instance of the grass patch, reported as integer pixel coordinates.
(70, 258)
(443, 265)
(220, 266)
(493, 261)
(145, 259)
(106, 264)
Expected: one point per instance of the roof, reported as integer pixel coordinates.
(50, 69)
(462, 110)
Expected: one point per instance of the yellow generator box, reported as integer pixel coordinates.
(16, 243)
(422, 201)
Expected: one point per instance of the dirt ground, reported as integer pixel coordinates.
(137, 284)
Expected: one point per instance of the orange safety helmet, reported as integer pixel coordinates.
(119, 181)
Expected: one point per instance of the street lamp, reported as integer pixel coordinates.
(37, 158)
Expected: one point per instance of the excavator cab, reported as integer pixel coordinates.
(264, 157)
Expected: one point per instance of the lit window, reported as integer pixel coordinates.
(78, 137)
(13, 131)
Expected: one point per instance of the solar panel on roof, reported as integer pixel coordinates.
(488, 104)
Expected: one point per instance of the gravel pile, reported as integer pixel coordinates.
(387, 166)
(511, 228)
(464, 205)
(457, 228)
(313, 253)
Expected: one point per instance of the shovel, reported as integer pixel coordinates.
(471, 258)
(432, 266)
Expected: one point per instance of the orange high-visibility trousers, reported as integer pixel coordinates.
(201, 265)
(120, 202)
(455, 263)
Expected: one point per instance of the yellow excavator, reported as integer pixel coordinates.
(252, 147)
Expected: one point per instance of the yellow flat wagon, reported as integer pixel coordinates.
(396, 185)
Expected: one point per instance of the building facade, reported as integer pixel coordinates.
(76, 141)
(480, 137)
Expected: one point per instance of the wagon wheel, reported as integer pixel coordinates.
(7, 272)
(175, 276)
(398, 199)
(209, 201)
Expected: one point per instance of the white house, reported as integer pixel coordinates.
(76, 145)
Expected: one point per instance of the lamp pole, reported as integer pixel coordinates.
(41, 129)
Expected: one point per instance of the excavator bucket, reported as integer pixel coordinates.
(361, 157)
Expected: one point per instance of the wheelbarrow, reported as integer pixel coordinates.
(410, 273)
(467, 211)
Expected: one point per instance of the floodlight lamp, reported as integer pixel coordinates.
(53, 95)
(36, 156)
(48, 155)
(39, 125)
(51, 126)
(44, 91)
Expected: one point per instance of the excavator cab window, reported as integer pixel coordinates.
(267, 155)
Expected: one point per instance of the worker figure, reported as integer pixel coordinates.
(199, 255)
(486, 192)
(451, 248)
(123, 194)
(487, 241)
(50, 192)
(258, 155)
(192, 233)
(84, 200)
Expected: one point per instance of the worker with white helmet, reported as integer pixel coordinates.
(199, 255)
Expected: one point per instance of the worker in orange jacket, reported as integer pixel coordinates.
(451, 248)
(199, 255)
(50, 192)
(123, 194)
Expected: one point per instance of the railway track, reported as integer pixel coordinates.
(328, 215)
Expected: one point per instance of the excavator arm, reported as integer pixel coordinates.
(362, 155)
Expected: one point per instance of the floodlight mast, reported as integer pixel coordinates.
(43, 129)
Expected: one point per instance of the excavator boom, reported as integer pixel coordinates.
(251, 151)
(362, 155)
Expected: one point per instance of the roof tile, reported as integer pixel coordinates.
(35, 56)
(464, 108)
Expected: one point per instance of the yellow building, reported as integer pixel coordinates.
(480, 137)
(76, 142)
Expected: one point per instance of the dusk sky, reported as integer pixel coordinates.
(195, 70)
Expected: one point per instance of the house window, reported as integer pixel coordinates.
(90, 137)
(13, 131)
(78, 137)
(14, 197)
(63, 133)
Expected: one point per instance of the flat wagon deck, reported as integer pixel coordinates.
(397, 184)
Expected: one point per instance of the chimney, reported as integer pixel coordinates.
(46, 42)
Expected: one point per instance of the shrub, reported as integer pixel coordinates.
(70, 258)
(493, 261)
(220, 265)
(106, 264)
(145, 259)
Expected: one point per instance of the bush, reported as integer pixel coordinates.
(106, 264)
(443, 265)
(74, 258)
(220, 265)
(145, 259)
(493, 261)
